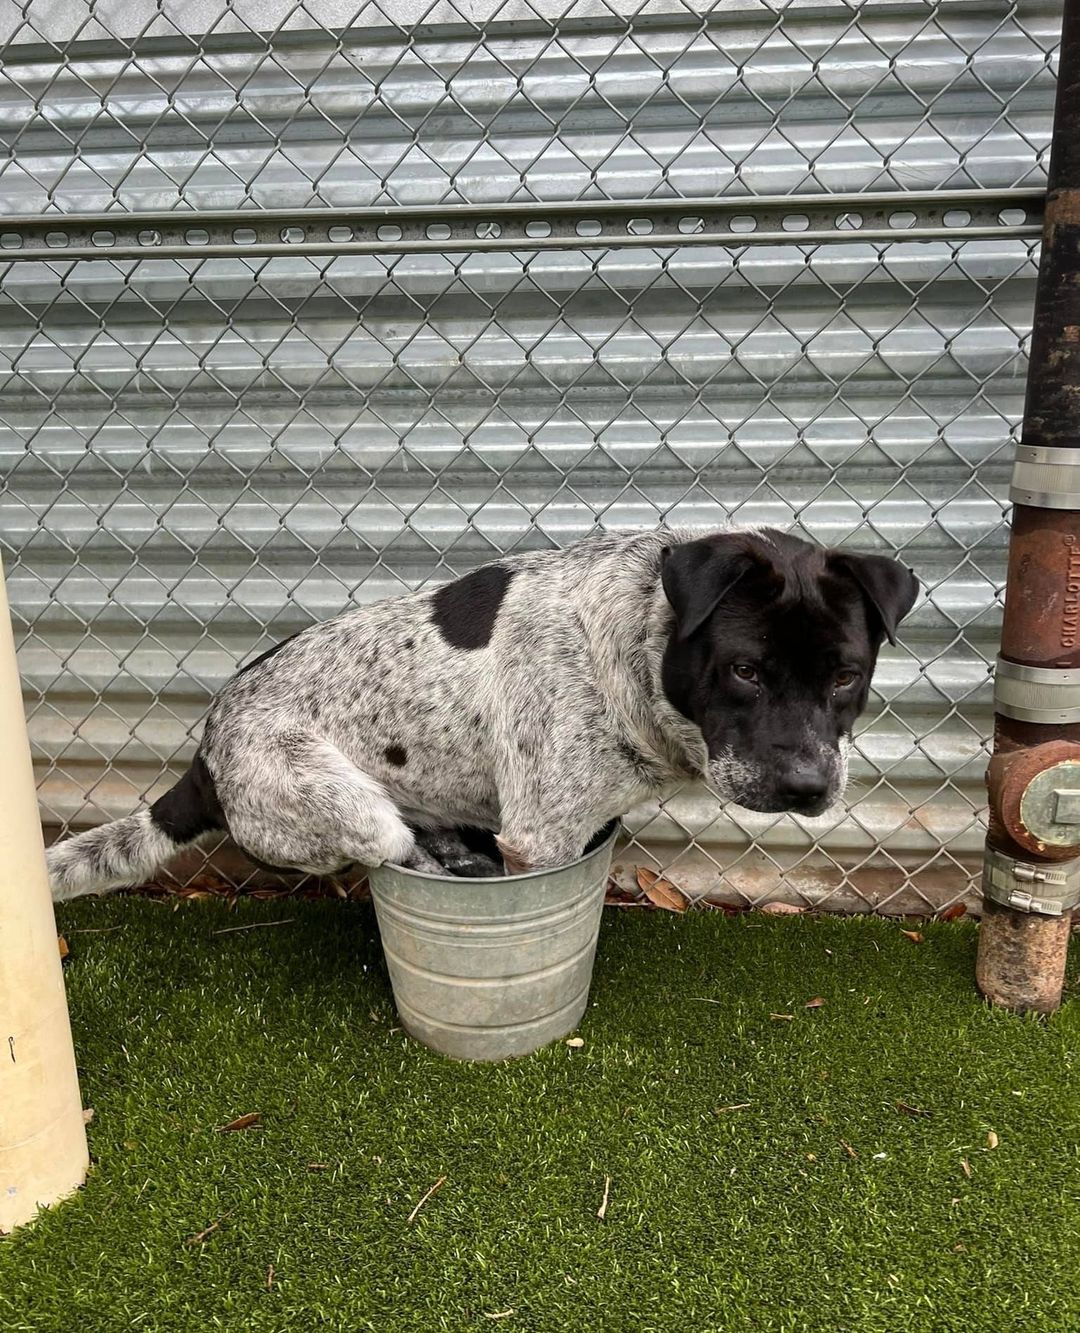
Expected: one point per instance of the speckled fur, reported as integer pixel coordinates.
(323, 752)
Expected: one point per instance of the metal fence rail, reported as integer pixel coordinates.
(315, 311)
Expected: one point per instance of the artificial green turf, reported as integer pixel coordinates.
(717, 1219)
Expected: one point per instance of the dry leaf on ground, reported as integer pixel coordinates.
(783, 909)
(252, 1120)
(915, 936)
(660, 892)
(991, 1139)
(849, 1150)
(815, 1003)
(88, 1115)
(62, 945)
(965, 1166)
(783, 1018)
(575, 1043)
(953, 913)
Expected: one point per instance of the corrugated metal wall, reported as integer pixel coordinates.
(203, 455)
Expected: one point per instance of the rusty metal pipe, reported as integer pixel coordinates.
(1021, 953)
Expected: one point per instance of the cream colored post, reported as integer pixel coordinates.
(43, 1153)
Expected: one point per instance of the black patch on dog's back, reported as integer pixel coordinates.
(395, 754)
(191, 807)
(465, 611)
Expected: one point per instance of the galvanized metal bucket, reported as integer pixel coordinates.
(486, 969)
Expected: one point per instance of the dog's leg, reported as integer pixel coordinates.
(513, 861)
(538, 845)
(553, 801)
(539, 833)
(302, 803)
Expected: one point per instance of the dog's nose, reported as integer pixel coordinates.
(804, 785)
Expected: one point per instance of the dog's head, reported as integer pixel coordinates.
(771, 654)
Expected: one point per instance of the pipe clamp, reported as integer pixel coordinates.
(1046, 478)
(1036, 694)
(1049, 890)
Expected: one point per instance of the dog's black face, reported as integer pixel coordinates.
(774, 644)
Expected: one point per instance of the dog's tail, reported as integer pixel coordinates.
(129, 850)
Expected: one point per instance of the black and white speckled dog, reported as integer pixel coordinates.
(537, 697)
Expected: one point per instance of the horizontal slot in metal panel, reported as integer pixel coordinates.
(762, 99)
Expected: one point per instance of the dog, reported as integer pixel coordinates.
(537, 697)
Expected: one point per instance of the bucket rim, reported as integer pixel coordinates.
(493, 880)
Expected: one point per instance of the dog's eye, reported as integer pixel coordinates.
(744, 671)
(845, 678)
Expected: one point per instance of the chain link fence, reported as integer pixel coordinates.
(304, 305)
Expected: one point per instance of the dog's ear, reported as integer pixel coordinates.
(697, 576)
(888, 586)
